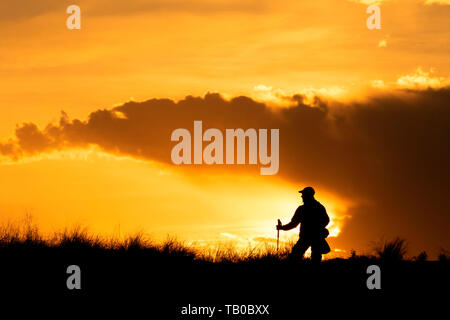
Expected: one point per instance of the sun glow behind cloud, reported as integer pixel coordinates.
(422, 79)
(266, 51)
(117, 195)
(281, 98)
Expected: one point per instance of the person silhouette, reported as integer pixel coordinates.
(313, 219)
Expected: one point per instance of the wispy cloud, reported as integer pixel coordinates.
(382, 43)
(442, 2)
(422, 79)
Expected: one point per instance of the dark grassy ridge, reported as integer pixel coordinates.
(170, 275)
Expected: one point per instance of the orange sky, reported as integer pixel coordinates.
(118, 195)
(145, 49)
(139, 50)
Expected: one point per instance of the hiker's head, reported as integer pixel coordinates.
(307, 194)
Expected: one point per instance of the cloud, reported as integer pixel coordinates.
(278, 97)
(265, 240)
(119, 7)
(369, 2)
(421, 79)
(382, 44)
(377, 84)
(389, 152)
(378, 2)
(25, 9)
(270, 95)
(442, 2)
(228, 235)
(418, 80)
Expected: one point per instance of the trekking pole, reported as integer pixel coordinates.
(278, 234)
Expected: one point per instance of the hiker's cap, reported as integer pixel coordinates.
(309, 191)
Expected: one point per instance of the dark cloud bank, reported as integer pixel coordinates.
(390, 152)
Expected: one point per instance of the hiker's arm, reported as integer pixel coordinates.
(290, 225)
(325, 218)
(296, 219)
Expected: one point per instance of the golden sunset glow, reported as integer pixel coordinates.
(104, 162)
(119, 196)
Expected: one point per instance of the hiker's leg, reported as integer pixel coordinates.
(316, 257)
(299, 249)
(316, 254)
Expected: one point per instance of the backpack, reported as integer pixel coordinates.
(324, 246)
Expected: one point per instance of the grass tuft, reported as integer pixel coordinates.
(26, 235)
(392, 250)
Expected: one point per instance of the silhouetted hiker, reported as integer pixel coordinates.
(313, 218)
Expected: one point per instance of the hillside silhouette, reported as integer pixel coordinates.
(171, 274)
